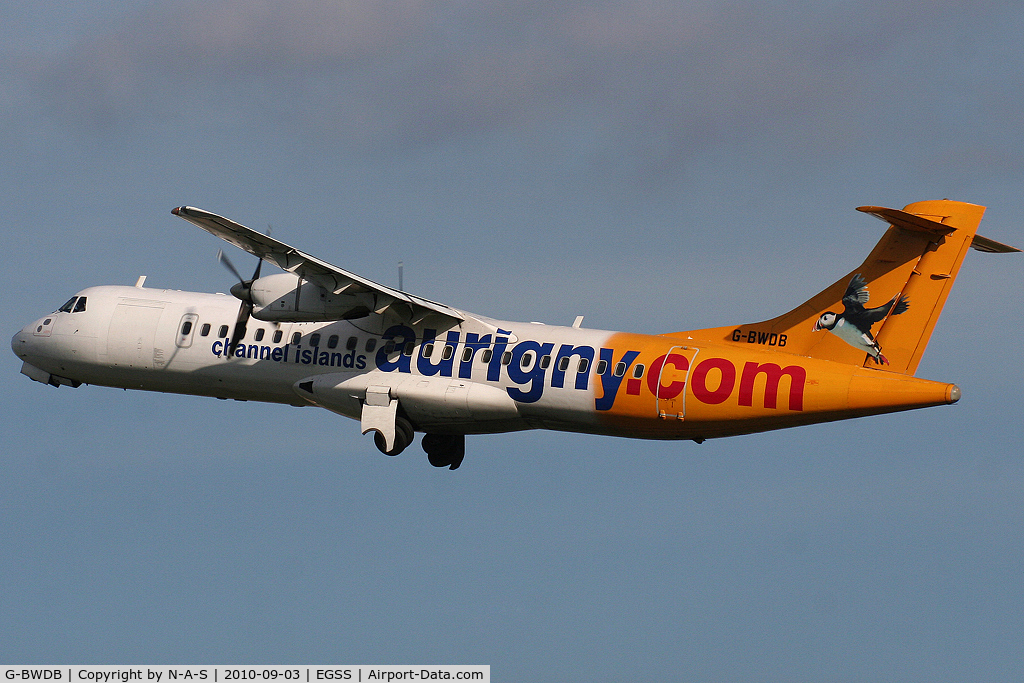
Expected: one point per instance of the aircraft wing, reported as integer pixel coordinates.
(310, 268)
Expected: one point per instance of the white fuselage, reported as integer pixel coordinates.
(139, 338)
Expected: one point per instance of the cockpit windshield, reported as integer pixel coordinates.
(75, 304)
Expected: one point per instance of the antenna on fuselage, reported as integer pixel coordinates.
(401, 265)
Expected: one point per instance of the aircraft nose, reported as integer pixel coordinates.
(22, 342)
(19, 344)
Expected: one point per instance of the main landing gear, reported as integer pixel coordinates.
(403, 437)
(445, 450)
(393, 431)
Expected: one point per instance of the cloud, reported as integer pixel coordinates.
(647, 84)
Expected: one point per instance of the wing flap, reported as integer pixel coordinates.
(315, 270)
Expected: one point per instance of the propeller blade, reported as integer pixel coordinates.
(244, 311)
(230, 266)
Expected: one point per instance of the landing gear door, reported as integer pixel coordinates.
(673, 376)
(380, 412)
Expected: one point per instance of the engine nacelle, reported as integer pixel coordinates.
(287, 297)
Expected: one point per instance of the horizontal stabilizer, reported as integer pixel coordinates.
(907, 221)
(991, 246)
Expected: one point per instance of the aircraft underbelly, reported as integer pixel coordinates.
(431, 403)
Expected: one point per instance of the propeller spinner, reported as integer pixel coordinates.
(241, 290)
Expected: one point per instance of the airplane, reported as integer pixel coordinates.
(315, 334)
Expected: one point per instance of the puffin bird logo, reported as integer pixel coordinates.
(853, 325)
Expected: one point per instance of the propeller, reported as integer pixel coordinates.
(241, 290)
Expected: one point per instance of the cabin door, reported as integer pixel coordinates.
(131, 339)
(673, 377)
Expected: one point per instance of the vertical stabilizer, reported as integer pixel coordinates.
(882, 313)
(905, 336)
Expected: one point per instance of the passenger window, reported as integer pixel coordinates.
(223, 332)
(205, 330)
(389, 348)
(259, 334)
(448, 352)
(278, 334)
(332, 341)
(506, 358)
(371, 344)
(409, 348)
(545, 361)
(314, 339)
(80, 305)
(186, 330)
(427, 350)
(638, 371)
(584, 365)
(525, 361)
(351, 343)
(602, 365)
(485, 357)
(467, 353)
(296, 338)
(620, 369)
(66, 308)
(563, 363)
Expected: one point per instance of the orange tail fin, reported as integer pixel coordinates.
(882, 313)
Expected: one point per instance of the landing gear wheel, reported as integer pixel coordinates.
(445, 450)
(403, 437)
(438, 459)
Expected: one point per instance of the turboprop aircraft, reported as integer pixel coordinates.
(318, 335)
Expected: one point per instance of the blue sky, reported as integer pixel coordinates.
(654, 166)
